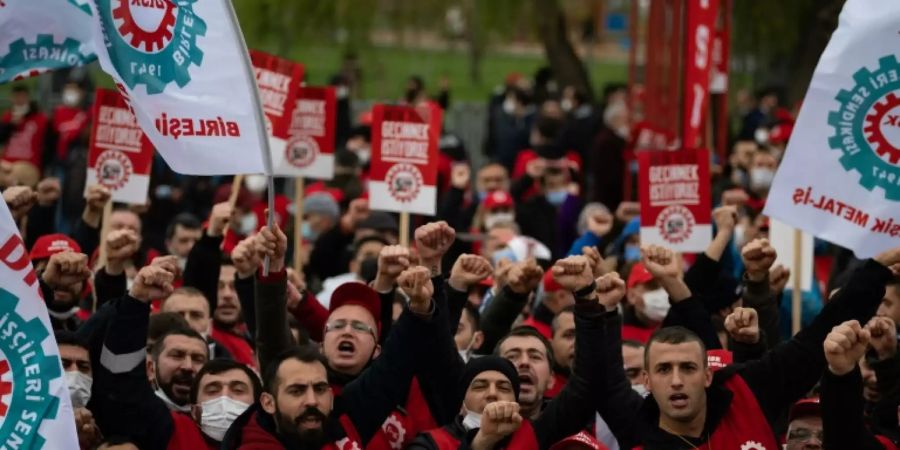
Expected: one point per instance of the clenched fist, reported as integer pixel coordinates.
(432, 241)
(416, 283)
(661, 262)
(469, 270)
(890, 259)
(725, 218)
(499, 419)
(600, 223)
(524, 277)
(48, 191)
(595, 259)
(219, 218)
(246, 257)
(96, 197)
(758, 256)
(20, 200)
(152, 282)
(66, 269)
(121, 245)
(392, 261)
(272, 243)
(743, 325)
(610, 290)
(573, 273)
(357, 211)
(884, 336)
(168, 263)
(844, 346)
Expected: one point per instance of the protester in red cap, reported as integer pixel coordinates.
(580, 441)
(554, 299)
(647, 306)
(63, 271)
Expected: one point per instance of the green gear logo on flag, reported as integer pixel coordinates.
(867, 127)
(25, 376)
(152, 42)
(29, 59)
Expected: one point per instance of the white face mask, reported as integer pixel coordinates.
(218, 415)
(170, 404)
(761, 178)
(20, 110)
(364, 154)
(739, 231)
(71, 97)
(656, 304)
(256, 183)
(640, 389)
(248, 224)
(472, 420)
(493, 219)
(79, 388)
(509, 105)
(566, 105)
(182, 263)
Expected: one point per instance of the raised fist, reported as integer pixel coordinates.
(416, 283)
(168, 263)
(524, 277)
(889, 259)
(219, 218)
(152, 282)
(88, 433)
(460, 175)
(536, 168)
(66, 269)
(392, 261)
(499, 419)
(245, 257)
(884, 336)
(661, 262)
(121, 245)
(627, 211)
(610, 290)
(758, 256)
(20, 200)
(844, 346)
(501, 272)
(743, 325)
(725, 218)
(272, 243)
(573, 273)
(357, 211)
(778, 278)
(600, 223)
(48, 191)
(432, 241)
(96, 197)
(595, 259)
(469, 270)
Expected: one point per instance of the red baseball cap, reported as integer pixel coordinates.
(359, 294)
(638, 275)
(580, 440)
(719, 358)
(51, 244)
(804, 408)
(498, 199)
(550, 284)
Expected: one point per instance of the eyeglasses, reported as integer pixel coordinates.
(355, 326)
(803, 435)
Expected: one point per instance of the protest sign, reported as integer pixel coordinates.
(120, 155)
(701, 21)
(309, 150)
(403, 175)
(675, 199)
(840, 177)
(782, 237)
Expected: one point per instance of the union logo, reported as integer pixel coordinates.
(114, 168)
(867, 127)
(301, 151)
(404, 182)
(25, 376)
(676, 223)
(27, 59)
(152, 42)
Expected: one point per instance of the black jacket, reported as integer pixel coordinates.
(842, 413)
(780, 378)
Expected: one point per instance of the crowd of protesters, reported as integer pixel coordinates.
(527, 314)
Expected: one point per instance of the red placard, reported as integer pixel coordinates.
(120, 155)
(278, 81)
(309, 151)
(675, 199)
(403, 175)
(701, 21)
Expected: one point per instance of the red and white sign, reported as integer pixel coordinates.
(309, 149)
(675, 199)
(120, 155)
(278, 81)
(403, 175)
(701, 21)
(718, 81)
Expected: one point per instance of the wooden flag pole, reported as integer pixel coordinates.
(797, 285)
(235, 189)
(104, 230)
(404, 229)
(298, 223)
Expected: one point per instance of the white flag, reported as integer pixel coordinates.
(41, 35)
(35, 410)
(840, 178)
(184, 67)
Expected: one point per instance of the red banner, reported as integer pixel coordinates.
(309, 151)
(403, 175)
(278, 81)
(675, 199)
(701, 21)
(120, 155)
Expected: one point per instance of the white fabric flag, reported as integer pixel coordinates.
(41, 35)
(840, 178)
(35, 410)
(184, 67)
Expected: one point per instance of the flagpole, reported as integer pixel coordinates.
(260, 122)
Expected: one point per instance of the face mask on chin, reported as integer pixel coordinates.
(656, 304)
(471, 420)
(557, 198)
(218, 414)
(640, 389)
(248, 224)
(170, 403)
(493, 219)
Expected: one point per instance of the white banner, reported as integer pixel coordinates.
(185, 68)
(782, 238)
(41, 35)
(840, 178)
(35, 411)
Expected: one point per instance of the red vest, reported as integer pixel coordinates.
(401, 428)
(744, 425)
(186, 434)
(27, 141)
(236, 345)
(523, 439)
(443, 439)
(68, 123)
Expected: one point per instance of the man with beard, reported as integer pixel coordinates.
(504, 378)
(63, 271)
(299, 408)
(692, 407)
(228, 327)
(182, 233)
(186, 409)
